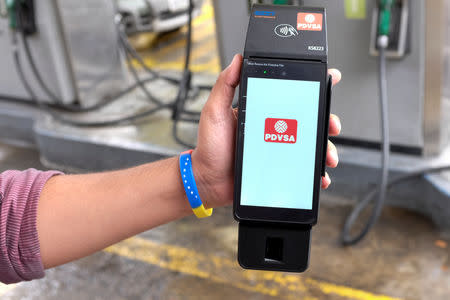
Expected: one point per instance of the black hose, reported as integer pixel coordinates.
(106, 74)
(187, 57)
(22, 77)
(106, 101)
(35, 71)
(125, 120)
(55, 115)
(402, 178)
(114, 122)
(57, 104)
(152, 72)
(378, 193)
(184, 85)
(138, 80)
(130, 49)
(346, 237)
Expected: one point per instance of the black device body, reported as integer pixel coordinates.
(278, 238)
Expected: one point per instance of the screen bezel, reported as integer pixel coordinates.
(292, 70)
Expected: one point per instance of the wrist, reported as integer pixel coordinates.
(204, 180)
(181, 194)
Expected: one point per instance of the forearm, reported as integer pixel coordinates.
(81, 214)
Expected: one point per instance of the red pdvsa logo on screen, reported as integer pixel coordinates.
(280, 131)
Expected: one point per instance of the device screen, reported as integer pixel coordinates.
(279, 151)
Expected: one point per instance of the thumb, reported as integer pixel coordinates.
(223, 92)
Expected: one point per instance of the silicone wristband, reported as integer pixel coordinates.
(187, 176)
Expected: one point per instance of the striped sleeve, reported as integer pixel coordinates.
(20, 257)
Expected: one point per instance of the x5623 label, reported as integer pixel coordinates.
(316, 48)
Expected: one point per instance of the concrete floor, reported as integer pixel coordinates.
(404, 257)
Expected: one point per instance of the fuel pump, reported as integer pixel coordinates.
(416, 66)
(391, 18)
(384, 19)
(21, 15)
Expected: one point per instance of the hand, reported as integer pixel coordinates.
(213, 158)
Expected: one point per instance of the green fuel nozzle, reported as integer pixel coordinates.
(11, 6)
(384, 21)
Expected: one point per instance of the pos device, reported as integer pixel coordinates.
(282, 132)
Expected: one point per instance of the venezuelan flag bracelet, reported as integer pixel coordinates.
(187, 175)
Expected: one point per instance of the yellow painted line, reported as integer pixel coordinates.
(196, 37)
(206, 15)
(212, 66)
(4, 288)
(204, 28)
(197, 24)
(222, 270)
(345, 292)
(199, 33)
(199, 51)
(203, 52)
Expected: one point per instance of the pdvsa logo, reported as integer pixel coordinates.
(285, 30)
(309, 21)
(280, 131)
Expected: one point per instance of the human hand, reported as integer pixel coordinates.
(213, 158)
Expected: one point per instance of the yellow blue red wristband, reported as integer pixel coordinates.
(190, 187)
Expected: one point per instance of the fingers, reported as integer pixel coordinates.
(332, 156)
(335, 75)
(335, 125)
(235, 113)
(223, 92)
(326, 181)
(333, 130)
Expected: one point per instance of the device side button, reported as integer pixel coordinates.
(327, 119)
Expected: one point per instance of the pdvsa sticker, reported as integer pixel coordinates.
(309, 21)
(280, 131)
